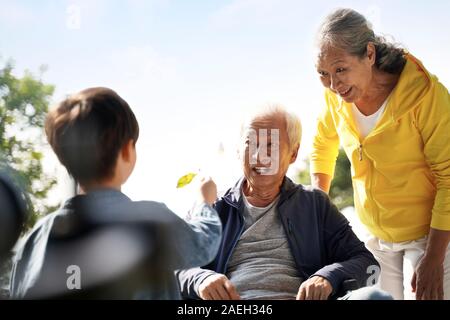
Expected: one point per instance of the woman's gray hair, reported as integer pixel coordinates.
(293, 124)
(349, 30)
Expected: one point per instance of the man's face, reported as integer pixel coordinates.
(266, 154)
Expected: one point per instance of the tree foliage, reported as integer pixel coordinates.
(341, 190)
(23, 105)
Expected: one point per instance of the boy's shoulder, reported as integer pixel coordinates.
(43, 225)
(144, 211)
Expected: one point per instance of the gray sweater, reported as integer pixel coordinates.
(262, 266)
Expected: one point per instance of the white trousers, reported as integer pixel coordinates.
(398, 261)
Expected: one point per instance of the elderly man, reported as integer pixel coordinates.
(280, 240)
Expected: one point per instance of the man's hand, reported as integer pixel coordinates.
(218, 287)
(427, 281)
(315, 288)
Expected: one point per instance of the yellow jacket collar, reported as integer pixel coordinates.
(413, 85)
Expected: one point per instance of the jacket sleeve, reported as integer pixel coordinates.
(190, 279)
(326, 143)
(196, 240)
(347, 256)
(433, 122)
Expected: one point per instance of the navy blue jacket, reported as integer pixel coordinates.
(320, 238)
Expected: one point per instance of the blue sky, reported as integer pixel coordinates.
(189, 69)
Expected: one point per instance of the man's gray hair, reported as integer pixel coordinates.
(293, 124)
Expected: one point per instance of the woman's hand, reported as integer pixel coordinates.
(428, 280)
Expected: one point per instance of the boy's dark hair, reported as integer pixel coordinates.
(88, 130)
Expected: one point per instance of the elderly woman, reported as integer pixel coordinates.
(392, 118)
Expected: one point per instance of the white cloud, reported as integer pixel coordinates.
(245, 12)
(93, 13)
(142, 64)
(145, 4)
(14, 14)
(84, 13)
(373, 14)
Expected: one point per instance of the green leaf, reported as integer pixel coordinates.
(185, 180)
(36, 155)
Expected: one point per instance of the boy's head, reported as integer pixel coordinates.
(94, 133)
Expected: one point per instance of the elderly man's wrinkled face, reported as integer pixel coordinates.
(266, 153)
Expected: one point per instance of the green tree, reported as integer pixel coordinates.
(23, 105)
(341, 190)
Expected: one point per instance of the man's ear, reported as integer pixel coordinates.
(294, 154)
(127, 150)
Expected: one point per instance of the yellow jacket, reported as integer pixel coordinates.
(401, 170)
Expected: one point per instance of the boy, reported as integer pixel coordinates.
(94, 134)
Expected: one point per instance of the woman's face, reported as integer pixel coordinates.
(347, 75)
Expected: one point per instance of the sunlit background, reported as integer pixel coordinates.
(189, 69)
